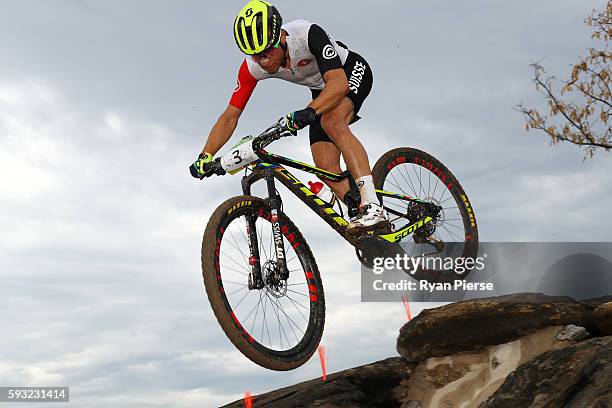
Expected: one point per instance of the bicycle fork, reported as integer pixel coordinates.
(274, 269)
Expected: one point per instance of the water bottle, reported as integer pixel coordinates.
(322, 191)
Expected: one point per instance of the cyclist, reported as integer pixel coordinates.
(339, 79)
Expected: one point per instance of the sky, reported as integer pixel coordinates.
(104, 104)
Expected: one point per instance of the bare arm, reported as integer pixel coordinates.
(222, 130)
(336, 88)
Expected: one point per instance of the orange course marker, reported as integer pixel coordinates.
(407, 307)
(248, 400)
(322, 358)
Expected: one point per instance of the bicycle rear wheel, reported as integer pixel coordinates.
(278, 326)
(452, 235)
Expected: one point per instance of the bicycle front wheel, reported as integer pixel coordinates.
(279, 325)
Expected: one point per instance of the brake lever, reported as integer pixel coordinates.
(215, 168)
(219, 171)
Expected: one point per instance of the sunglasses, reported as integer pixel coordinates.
(264, 53)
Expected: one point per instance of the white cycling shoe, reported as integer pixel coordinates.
(371, 217)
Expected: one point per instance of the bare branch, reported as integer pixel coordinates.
(582, 120)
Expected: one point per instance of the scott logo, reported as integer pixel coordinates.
(248, 12)
(408, 230)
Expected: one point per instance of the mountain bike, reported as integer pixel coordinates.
(261, 278)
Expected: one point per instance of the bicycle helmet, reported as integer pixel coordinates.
(257, 27)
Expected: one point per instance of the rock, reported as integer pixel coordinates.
(573, 332)
(510, 351)
(591, 305)
(466, 380)
(372, 385)
(443, 374)
(571, 377)
(472, 325)
(594, 303)
(603, 318)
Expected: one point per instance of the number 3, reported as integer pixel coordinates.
(237, 156)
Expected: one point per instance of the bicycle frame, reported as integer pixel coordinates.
(270, 167)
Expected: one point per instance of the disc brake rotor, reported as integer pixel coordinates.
(274, 285)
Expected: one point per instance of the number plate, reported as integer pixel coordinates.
(239, 156)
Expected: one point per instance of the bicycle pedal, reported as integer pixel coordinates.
(382, 228)
(379, 229)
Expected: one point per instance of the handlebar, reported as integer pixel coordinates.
(274, 132)
(265, 138)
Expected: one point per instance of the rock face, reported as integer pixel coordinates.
(603, 318)
(594, 303)
(373, 385)
(466, 380)
(523, 350)
(472, 325)
(575, 376)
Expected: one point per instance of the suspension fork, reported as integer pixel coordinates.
(255, 277)
(274, 202)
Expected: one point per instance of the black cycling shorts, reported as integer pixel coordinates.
(359, 75)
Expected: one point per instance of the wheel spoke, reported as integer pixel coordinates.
(266, 323)
(256, 313)
(261, 245)
(290, 321)
(246, 260)
(244, 297)
(409, 181)
(295, 304)
(237, 263)
(435, 188)
(228, 294)
(246, 318)
(453, 235)
(298, 293)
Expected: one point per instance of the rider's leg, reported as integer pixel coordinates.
(336, 125)
(327, 157)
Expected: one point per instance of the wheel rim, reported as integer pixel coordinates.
(277, 317)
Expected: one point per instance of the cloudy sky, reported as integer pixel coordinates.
(103, 104)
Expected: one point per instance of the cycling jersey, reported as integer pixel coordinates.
(312, 52)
